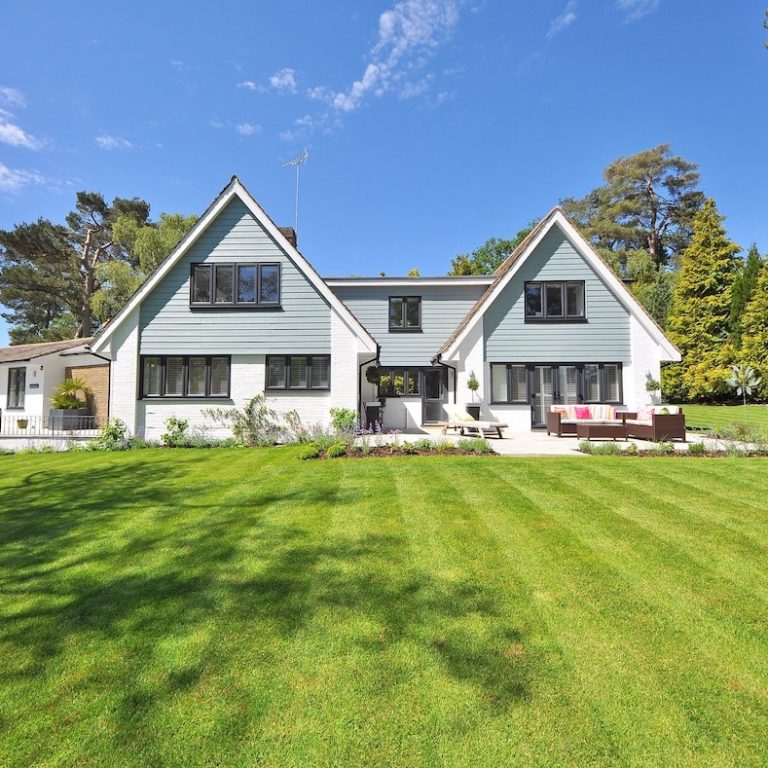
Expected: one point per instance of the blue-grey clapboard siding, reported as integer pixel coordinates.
(442, 309)
(603, 338)
(169, 326)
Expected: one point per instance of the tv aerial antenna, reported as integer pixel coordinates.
(297, 162)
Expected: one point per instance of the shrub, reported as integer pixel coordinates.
(294, 431)
(176, 433)
(664, 448)
(113, 436)
(474, 445)
(343, 420)
(606, 449)
(336, 450)
(310, 451)
(632, 449)
(408, 448)
(140, 443)
(65, 396)
(585, 446)
(254, 425)
(442, 446)
(697, 449)
(424, 444)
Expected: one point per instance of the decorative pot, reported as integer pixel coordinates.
(473, 409)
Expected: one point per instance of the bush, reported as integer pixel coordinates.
(606, 449)
(585, 446)
(697, 449)
(139, 443)
(113, 436)
(176, 433)
(474, 445)
(425, 444)
(254, 425)
(336, 450)
(343, 420)
(407, 448)
(293, 431)
(664, 448)
(632, 450)
(310, 451)
(442, 446)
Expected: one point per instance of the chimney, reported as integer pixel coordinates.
(290, 234)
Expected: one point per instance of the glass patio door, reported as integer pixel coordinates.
(542, 394)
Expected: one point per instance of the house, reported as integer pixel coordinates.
(237, 310)
(29, 374)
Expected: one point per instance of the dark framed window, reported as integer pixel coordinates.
(299, 372)
(555, 301)
(405, 313)
(17, 386)
(512, 383)
(399, 382)
(242, 286)
(185, 376)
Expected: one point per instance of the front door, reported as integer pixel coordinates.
(542, 394)
(433, 396)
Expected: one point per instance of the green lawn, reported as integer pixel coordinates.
(718, 416)
(242, 608)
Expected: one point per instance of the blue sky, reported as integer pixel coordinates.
(431, 124)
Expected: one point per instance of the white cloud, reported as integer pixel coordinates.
(249, 85)
(412, 89)
(636, 9)
(106, 141)
(14, 179)
(409, 33)
(12, 134)
(247, 129)
(565, 19)
(12, 96)
(284, 80)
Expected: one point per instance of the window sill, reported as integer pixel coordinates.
(406, 330)
(506, 402)
(181, 398)
(245, 307)
(297, 389)
(15, 408)
(555, 320)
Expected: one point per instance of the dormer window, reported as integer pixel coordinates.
(555, 302)
(405, 313)
(242, 286)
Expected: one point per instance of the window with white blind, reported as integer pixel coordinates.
(299, 372)
(185, 376)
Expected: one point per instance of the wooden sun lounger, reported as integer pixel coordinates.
(463, 421)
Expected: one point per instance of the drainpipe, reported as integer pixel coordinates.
(437, 361)
(360, 381)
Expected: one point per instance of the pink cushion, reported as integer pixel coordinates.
(582, 412)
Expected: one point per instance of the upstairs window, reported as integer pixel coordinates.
(405, 313)
(244, 286)
(555, 301)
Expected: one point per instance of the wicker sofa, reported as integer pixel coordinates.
(655, 423)
(562, 419)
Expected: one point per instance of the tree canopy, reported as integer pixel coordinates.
(62, 281)
(485, 259)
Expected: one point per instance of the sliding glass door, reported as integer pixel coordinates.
(542, 394)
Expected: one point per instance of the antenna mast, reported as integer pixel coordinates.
(297, 162)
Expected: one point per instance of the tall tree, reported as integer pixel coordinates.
(699, 321)
(63, 281)
(743, 288)
(656, 296)
(38, 275)
(487, 258)
(91, 225)
(754, 349)
(643, 212)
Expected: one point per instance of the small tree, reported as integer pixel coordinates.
(652, 386)
(745, 381)
(66, 395)
(473, 384)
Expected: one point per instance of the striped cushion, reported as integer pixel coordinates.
(597, 412)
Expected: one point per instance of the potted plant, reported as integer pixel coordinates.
(69, 408)
(473, 408)
(22, 423)
(652, 386)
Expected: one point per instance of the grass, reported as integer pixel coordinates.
(718, 416)
(243, 608)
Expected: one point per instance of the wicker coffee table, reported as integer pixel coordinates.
(587, 430)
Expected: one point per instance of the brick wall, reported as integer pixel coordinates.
(97, 378)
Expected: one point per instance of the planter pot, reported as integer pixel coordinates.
(68, 418)
(372, 414)
(473, 409)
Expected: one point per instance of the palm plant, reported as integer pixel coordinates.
(744, 380)
(66, 395)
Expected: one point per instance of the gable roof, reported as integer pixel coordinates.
(23, 352)
(235, 189)
(506, 270)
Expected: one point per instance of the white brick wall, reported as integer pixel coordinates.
(124, 375)
(645, 361)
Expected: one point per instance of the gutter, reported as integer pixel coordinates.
(437, 361)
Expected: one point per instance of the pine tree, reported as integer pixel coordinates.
(743, 288)
(754, 350)
(699, 321)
